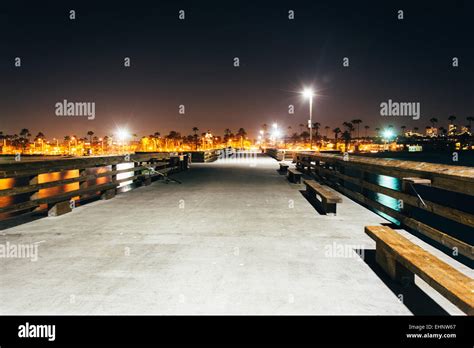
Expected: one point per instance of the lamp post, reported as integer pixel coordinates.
(387, 135)
(275, 133)
(308, 94)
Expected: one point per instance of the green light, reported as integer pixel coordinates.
(387, 134)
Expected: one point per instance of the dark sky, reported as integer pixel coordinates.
(190, 62)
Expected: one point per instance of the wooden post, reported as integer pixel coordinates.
(362, 176)
(34, 181)
(82, 184)
(136, 172)
(394, 269)
(114, 176)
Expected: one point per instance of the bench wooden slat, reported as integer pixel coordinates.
(454, 285)
(329, 195)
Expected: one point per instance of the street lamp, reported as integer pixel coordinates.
(308, 94)
(123, 135)
(387, 136)
(275, 133)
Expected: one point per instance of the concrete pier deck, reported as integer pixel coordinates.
(234, 238)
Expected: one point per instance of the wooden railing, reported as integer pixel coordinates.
(204, 156)
(30, 179)
(287, 154)
(337, 171)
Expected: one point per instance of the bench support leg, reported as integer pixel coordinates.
(295, 179)
(329, 208)
(395, 270)
(60, 208)
(108, 194)
(146, 181)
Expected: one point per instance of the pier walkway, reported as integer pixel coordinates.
(234, 238)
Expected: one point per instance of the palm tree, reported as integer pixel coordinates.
(174, 137)
(295, 137)
(25, 133)
(366, 129)
(301, 125)
(433, 121)
(40, 138)
(470, 119)
(24, 138)
(90, 134)
(316, 126)
(305, 136)
(327, 128)
(349, 127)
(452, 118)
(241, 133)
(416, 129)
(227, 135)
(67, 139)
(195, 137)
(336, 132)
(403, 129)
(357, 122)
(155, 137)
(346, 135)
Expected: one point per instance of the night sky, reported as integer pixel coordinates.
(190, 62)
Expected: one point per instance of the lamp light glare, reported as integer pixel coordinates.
(308, 93)
(387, 134)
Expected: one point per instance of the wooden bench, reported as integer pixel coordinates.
(401, 259)
(294, 176)
(329, 198)
(283, 167)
